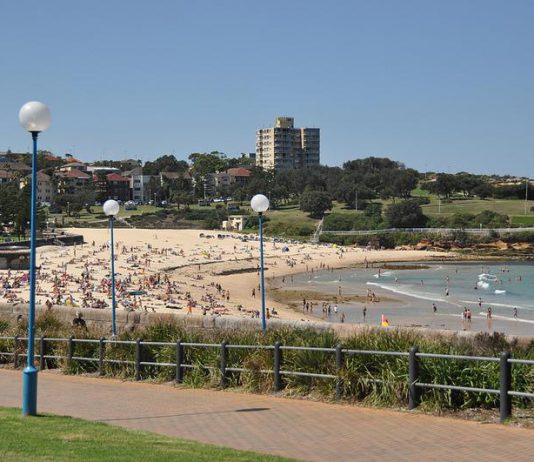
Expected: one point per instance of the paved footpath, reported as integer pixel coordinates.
(293, 428)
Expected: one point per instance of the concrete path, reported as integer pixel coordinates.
(293, 428)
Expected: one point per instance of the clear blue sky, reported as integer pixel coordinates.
(438, 85)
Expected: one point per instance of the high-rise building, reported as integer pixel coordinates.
(284, 147)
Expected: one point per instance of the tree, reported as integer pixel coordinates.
(9, 202)
(445, 184)
(203, 163)
(315, 203)
(74, 203)
(166, 163)
(404, 182)
(483, 190)
(405, 214)
(21, 219)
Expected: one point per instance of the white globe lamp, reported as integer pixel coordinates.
(35, 117)
(111, 208)
(259, 203)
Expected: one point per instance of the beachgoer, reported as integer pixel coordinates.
(364, 312)
(515, 313)
(78, 321)
(434, 307)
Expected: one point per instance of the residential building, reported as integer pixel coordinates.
(46, 189)
(72, 165)
(6, 177)
(284, 147)
(234, 223)
(139, 184)
(72, 181)
(130, 163)
(210, 188)
(103, 170)
(239, 175)
(118, 187)
(222, 181)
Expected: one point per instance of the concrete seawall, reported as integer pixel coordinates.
(137, 320)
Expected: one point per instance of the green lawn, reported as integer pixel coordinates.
(523, 220)
(97, 214)
(474, 206)
(54, 438)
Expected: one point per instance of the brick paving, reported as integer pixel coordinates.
(292, 428)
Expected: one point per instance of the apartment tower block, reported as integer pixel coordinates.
(284, 147)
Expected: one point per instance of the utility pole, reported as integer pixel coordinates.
(526, 195)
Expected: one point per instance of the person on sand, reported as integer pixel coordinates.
(488, 313)
(515, 313)
(254, 293)
(364, 312)
(342, 317)
(434, 308)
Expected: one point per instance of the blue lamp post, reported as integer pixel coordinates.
(111, 209)
(35, 118)
(260, 204)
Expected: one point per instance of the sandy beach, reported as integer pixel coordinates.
(191, 271)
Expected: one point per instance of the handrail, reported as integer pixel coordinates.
(337, 373)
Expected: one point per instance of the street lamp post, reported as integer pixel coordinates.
(35, 118)
(111, 209)
(260, 204)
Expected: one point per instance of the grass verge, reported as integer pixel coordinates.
(49, 437)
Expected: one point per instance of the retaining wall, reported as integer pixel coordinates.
(139, 319)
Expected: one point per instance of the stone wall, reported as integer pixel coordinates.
(65, 239)
(132, 320)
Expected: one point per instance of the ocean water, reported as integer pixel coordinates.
(407, 295)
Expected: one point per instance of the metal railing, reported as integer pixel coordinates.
(339, 354)
(475, 231)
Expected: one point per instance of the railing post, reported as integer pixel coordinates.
(505, 400)
(70, 351)
(179, 362)
(339, 366)
(41, 353)
(413, 377)
(101, 353)
(16, 351)
(138, 359)
(277, 366)
(224, 358)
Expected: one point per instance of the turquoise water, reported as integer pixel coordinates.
(407, 295)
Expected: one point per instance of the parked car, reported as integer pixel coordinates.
(130, 205)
